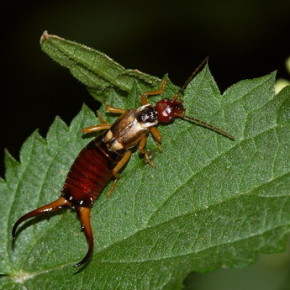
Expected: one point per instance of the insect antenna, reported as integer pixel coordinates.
(181, 90)
(198, 121)
(210, 126)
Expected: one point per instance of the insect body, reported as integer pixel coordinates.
(104, 157)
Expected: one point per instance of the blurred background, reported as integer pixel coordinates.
(244, 39)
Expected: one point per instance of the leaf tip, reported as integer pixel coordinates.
(9, 160)
(45, 36)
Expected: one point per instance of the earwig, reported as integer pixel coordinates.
(104, 157)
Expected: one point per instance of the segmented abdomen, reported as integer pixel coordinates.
(89, 174)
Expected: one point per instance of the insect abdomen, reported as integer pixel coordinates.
(89, 174)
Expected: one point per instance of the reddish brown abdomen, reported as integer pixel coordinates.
(89, 174)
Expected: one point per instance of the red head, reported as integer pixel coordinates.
(168, 110)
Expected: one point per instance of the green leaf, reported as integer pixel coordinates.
(93, 68)
(209, 203)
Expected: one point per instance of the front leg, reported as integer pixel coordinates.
(144, 99)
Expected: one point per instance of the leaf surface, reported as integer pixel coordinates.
(210, 202)
(96, 70)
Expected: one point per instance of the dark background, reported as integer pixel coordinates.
(244, 39)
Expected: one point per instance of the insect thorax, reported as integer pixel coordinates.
(147, 116)
(130, 127)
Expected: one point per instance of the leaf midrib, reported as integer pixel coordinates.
(89, 68)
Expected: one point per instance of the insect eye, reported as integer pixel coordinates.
(178, 108)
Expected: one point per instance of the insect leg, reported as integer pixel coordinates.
(84, 214)
(117, 168)
(141, 149)
(115, 110)
(121, 163)
(103, 126)
(144, 96)
(101, 118)
(157, 137)
(96, 128)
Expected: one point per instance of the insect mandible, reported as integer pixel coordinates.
(104, 157)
